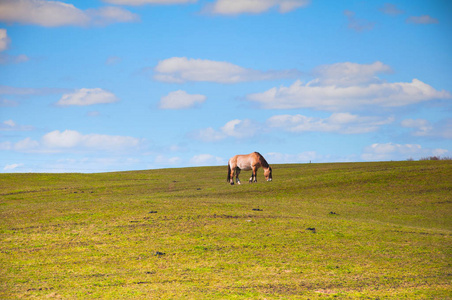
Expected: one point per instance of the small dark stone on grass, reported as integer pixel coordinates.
(257, 209)
(311, 229)
(152, 212)
(333, 213)
(158, 253)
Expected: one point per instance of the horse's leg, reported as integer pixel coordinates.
(231, 179)
(237, 176)
(255, 173)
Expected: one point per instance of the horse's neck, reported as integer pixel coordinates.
(263, 163)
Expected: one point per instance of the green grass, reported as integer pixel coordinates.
(382, 231)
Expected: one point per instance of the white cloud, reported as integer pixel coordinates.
(209, 135)
(144, 2)
(425, 19)
(10, 125)
(10, 90)
(4, 40)
(87, 164)
(11, 167)
(391, 9)
(182, 69)
(240, 129)
(349, 74)
(8, 103)
(283, 158)
(113, 60)
(71, 140)
(108, 15)
(361, 88)
(13, 59)
(391, 151)
(180, 100)
(85, 96)
(236, 7)
(206, 160)
(56, 13)
(26, 145)
(6, 145)
(357, 24)
(424, 128)
(343, 123)
(167, 161)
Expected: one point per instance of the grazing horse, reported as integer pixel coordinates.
(248, 162)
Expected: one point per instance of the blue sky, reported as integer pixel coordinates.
(111, 85)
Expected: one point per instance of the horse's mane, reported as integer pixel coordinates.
(262, 160)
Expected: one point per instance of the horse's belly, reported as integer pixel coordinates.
(244, 167)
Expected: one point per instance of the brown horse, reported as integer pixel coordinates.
(248, 162)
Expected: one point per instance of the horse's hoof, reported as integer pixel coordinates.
(238, 182)
(232, 183)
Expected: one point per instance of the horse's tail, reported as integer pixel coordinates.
(229, 173)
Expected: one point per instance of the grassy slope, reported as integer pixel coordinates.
(382, 230)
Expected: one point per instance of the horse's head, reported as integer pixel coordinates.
(268, 174)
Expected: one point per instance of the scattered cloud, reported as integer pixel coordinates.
(56, 13)
(350, 74)
(13, 59)
(71, 140)
(236, 7)
(182, 69)
(24, 92)
(208, 135)
(108, 15)
(425, 19)
(206, 160)
(360, 88)
(93, 113)
(4, 40)
(424, 128)
(163, 160)
(25, 145)
(144, 2)
(356, 24)
(391, 151)
(83, 97)
(239, 129)
(113, 60)
(391, 9)
(284, 158)
(342, 123)
(181, 100)
(8, 103)
(10, 125)
(11, 167)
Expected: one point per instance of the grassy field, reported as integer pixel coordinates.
(345, 231)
